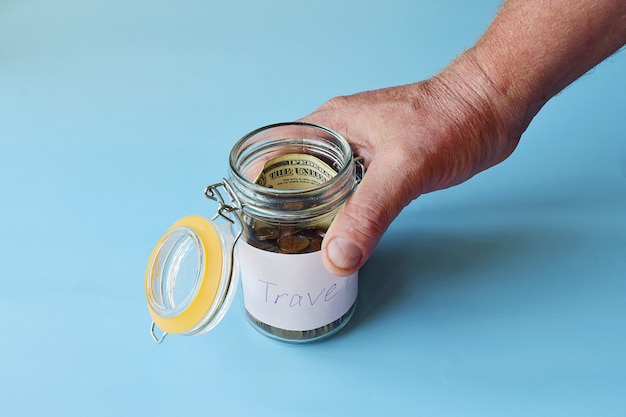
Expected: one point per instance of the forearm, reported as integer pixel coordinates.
(532, 50)
(536, 48)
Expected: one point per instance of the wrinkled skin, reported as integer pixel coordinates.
(434, 134)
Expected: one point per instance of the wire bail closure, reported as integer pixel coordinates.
(359, 163)
(158, 340)
(225, 207)
(224, 210)
(227, 203)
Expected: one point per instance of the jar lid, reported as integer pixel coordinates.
(188, 277)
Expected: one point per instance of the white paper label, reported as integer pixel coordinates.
(293, 291)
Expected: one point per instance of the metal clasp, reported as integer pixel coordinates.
(224, 206)
(359, 163)
(224, 209)
(158, 340)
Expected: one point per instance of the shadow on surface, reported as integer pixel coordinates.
(402, 270)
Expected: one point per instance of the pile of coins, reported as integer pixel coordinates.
(283, 239)
(299, 335)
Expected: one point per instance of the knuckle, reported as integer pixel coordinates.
(367, 221)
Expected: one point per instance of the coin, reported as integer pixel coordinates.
(293, 244)
(265, 245)
(315, 244)
(266, 232)
(315, 236)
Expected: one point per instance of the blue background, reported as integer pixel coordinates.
(504, 296)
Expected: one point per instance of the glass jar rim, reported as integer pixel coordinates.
(345, 168)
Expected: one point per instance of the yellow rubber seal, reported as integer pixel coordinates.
(206, 294)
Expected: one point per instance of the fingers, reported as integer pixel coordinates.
(361, 222)
(381, 127)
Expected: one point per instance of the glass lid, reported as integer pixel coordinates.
(188, 277)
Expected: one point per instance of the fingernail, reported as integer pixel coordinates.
(343, 253)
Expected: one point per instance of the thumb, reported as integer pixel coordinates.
(361, 222)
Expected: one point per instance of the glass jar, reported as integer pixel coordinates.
(285, 184)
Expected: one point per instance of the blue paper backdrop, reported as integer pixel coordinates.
(505, 296)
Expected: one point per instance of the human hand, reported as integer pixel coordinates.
(440, 132)
(414, 139)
